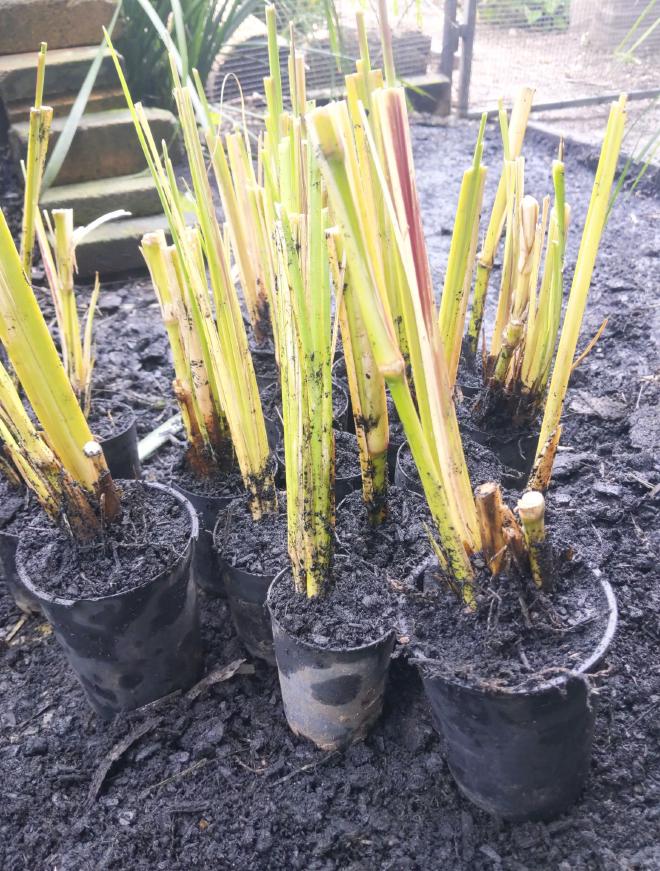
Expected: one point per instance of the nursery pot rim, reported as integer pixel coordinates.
(315, 648)
(336, 385)
(68, 603)
(123, 406)
(224, 500)
(413, 493)
(583, 668)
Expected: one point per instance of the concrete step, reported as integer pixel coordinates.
(66, 69)
(62, 23)
(91, 199)
(114, 247)
(99, 101)
(105, 144)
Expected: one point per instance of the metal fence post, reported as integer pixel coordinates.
(449, 39)
(467, 35)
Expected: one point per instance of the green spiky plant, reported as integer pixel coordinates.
(379, 149)
(58, 240)
(528, 324)
(59, 261)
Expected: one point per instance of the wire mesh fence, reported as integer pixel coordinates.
(568, 49)
(575, 53)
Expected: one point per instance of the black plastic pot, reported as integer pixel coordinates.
(343, 486)
(205, 569)
(21, 595)
(265, 366)
(346, 485)
(332, 696)
(246, 594)
(339, 419)
(515, 450)
(121, 449)
(402, 478)
(340, 380)
(133, 647)
(520, 754)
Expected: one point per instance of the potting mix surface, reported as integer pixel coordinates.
(150, 535)
(214, 778)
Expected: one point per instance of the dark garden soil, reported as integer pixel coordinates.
(148, 537)
(271, 398)
(215, 780)
(169, 465)
(16, 507)
(482, 464)
(347, 458)
(358, 609)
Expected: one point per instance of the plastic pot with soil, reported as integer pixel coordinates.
(123, 607)
(333, 653)
(271, 399)
(209, 495)
(114, 426)
(348, 476)
(510, 684)
(514, 449)
(397, 550)
(250, 554)
(482, 465)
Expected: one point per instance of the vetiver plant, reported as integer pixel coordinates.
(80, 568)
(39, 133)
(215, 383)
(517, 126)
(58, 240)
(65, 468)
(294, 216)
(59, 261)
(518, 362)
(347, 152)
(485, 550)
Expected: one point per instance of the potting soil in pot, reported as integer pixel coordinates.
(482, 464)
(517, 635)
(358, 609)
(169, 465)
(398, 548)
(151, 533)
(258, 547)
(106, 419)
(271, 399)
(347, 458)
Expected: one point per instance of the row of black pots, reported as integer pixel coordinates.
(520, 754)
